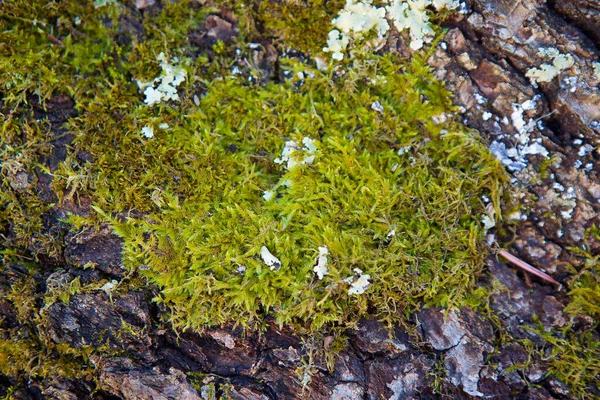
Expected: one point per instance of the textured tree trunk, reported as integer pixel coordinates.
(484, 59)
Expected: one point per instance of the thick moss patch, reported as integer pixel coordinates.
(390, 192)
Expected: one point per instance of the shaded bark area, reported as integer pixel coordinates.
(484, 59)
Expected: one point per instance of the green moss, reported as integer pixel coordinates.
(212, 219)
(199, 184)
(573, 358)
(26, 350)
(573, 352)
(189, 202)
(211, 216)
(584, 287)
(22, 144)
(299, 25)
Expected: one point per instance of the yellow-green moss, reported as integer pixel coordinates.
(572, 357)
(199, 183)
(212, 218)
(573, 352)
(189, 203)
(26, 350)
(299, 25)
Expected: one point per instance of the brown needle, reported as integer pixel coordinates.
(526, 267)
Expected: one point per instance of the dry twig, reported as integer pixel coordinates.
(526, 267)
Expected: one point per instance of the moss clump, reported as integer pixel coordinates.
(210, 170)
(573, 351)
(585, 285)
(193, 194)
(572, 356)
(300, 25)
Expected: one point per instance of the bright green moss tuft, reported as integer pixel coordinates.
(193, 194)
(209, 173)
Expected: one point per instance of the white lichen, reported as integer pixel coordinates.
(359, 18)
(269, 259)
(584, 150)
(548, 71)
(320, 267)
(523, 127)
(102, 3)
(336, 44)
(514, 158)
(359, 282)
(108, 287)
(534, 148)
(530, 104)
(294, 154)
(268, 195)
(489, 218)
(488, 222)
(376, 106)
(164, 87)
(479, 99)
(354, 21)
(412, 15)
(441, 118)
(148, 132)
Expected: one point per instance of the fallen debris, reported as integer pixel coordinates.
(526, 267)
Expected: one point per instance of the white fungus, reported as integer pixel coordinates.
(164, 87)
(321, 266)
(359, 282)
(148, 132)
(272, 262)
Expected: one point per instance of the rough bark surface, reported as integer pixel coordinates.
(484, 59)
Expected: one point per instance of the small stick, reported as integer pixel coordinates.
(526, 267)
